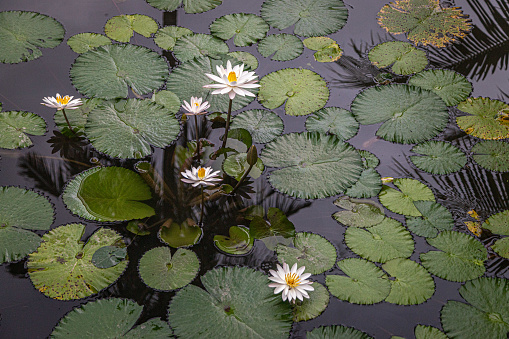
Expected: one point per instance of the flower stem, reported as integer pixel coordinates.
(197, 153)
(227, 124)
(68, 123)
(202, 205)
(242, 179)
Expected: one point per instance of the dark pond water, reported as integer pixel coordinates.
(26, 313)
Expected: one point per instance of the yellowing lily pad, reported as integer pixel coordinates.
(327, 50)
(487, 118)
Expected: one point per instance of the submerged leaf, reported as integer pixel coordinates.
(278, 229)
(280, 47)
(404, 58)
(14, 127)
(236, 165)
(492, 155)
(175, 235)
(438, 157)
(239, 241)
(246, 28)
(109, 256)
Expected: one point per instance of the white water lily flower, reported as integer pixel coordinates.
(196, 107)
(200, 176)
(292, 282)
(233, 81)
(61, 103)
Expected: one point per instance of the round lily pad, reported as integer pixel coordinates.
(109, 71)
(452, 87)
(403, 56)
(246, 29)
(14, 127)
(302, 90)
(280, 47)
(409, 114)
(77, 117)
(167, 36)
(435, 218)
(485, 119)
(492, 155)
(23, 33)
(15, 243)
(263, 125)
(336, 331)
(412, 284)
(62, 267)
(162, 271)
(498, 223)
(460, 257)
(128, 128)
(190, 6)
(438, 157)
(183, 235)
(382, 242)
(358, 213)
(313, 306)
(368, 185)
(428, 332)
(84, 42)
(327, 50)
(333, 120)
(363, 282)
(501, 246)
(230, 307)
(312, 165)
(402, 202)
(239, 241)
(108, 194)
(122, 27)
(313, 251)
(311, 18)
(193, 46)
(487, 313)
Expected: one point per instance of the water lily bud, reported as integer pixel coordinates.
(252, 155)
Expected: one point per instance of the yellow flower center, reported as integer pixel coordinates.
(64, 100)
(196, 104)
(292, 280)
(201, 173)
(232, 77)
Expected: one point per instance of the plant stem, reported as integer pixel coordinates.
(227, 124)
(202, 204)
(242, 179)
(197, 137)
(68, 123)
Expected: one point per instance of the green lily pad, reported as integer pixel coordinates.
(313, 165)
(109, 71)
(409, 114)
(109, 319)
(167, 36)
(84, 42)
(15, 243)
(402, 202)
(333, 120)
(369, 160)
(492, 155)
(14, 127)
(460, 257)
(239, 242)
(109, 256)
(137, 227)
(486, 316)
(190, 6)
(382, 242)
(280, 47)
(452, 87)
(404, 57)
(368, 185)
(327, 50)
(236, 165)
(498, 223)
(193, 46)
(485, 119)
(162, 271)
(168, 100)
(277, 230)
(62, 267)
(122, 27)
(263, 125)
(358, 212)
(363, 283)
(246, 28)
(501, 246)
(438, 157)
(310, 17)
(249, 60)
(412, 284)
(230, 307)
(184, 235)
(23, 33)
(77, 117)
(108, 194)
(435, 218)
(128, 128)
(428, 332)
(311, 250)
(424, 21)
(302, 90)
(313, 306)
(336, 331)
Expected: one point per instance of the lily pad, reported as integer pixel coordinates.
(438, 157)
(190, 6)
(246, 29)
(369, 160)
(501, 246)
(312, 165)
(460, 257)
(263, 125)
(411, 284)
(313, 306)
(108, 194)
(162, 271)
(452, 87)
(487, 313)
(193, 46)
(363, 282)
(402, 202)
(249, 60)
(62, 267)
(236, 165)
(14, 127)
(333, 120)
(84, 42)
(492, 155)
(302, 90)
(336, 331)
(382, 242)
(278, 229)
(280, 47)
(424, 21)
(23, 33)
(128, 128)
(368, 185)
(404, 57)
(168, 100)
(409, 114)
(109, 71)
(77, 117)
(358, 213)
(327, 50)
(230, 308)
(109, 256)
(122, 27)
(498, 223)
(428, 332)
(485, 119)
(435, 218)
(183, 235)
(310, 17)
(167, 36)
(311, 250)
(239, 242)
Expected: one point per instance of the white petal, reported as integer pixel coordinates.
(231, 95)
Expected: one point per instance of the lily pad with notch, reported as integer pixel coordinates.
(280, 47)
(452, 87)
(313, 306)
(15, 125)
(183, 235)
(263, 125)
(239, 241)
(193, 46)
(404, 58)
(122, 27)
(402, 201)
(190, 6)
(84, 42)
(492, 155)
(435, 218)
(167, 36)
(438, 157)
(498, 223)
(486, 118)
(276, 230)
(327, 50)
(245, 28)
(333, 120)
(368, 185)
(358, 212)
